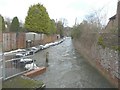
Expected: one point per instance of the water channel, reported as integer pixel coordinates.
(68, 69)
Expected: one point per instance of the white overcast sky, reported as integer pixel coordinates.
(69, 9)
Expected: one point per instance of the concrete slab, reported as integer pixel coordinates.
(35, 72)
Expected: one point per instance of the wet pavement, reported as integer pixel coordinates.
(67, 69)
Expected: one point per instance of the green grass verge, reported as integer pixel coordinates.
(22, 82)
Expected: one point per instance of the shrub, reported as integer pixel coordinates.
(117, 48)
(100, 42)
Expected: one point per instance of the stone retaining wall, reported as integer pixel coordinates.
(105, 60)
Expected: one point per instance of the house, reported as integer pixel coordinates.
(112, 25)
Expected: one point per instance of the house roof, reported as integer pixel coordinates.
(113, 17)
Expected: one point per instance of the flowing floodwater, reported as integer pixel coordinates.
(67, 69)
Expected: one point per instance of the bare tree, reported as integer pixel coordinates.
(64, 21)
(96, 19)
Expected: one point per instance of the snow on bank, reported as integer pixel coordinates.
(31, 66)
(15, 51)
(26, 60)
(42, 47)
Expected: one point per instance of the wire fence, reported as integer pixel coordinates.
(0, 69)
(13, 66)
(1, 64)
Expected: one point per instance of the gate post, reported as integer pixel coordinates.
(3, 69)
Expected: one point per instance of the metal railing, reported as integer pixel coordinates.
(13, 67)
(1, 67)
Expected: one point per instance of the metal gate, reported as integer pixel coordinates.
(1, 66)
(12, 66)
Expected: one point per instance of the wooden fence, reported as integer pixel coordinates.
(12, 41)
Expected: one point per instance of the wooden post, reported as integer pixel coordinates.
(47, 54)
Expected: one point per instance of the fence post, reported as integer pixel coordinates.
(3, 69)
(33, 60)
